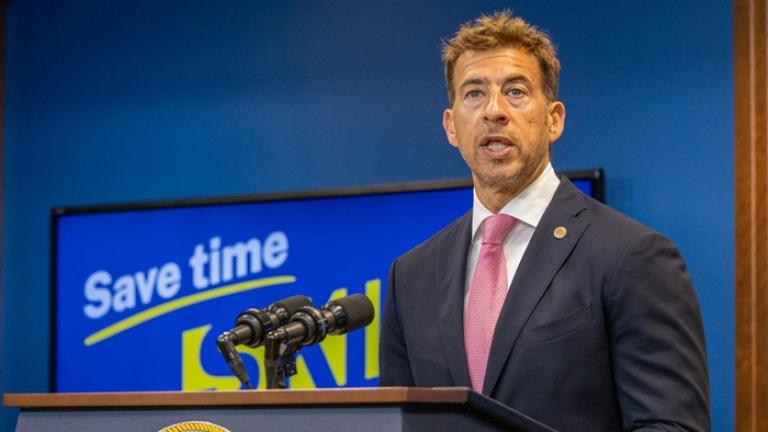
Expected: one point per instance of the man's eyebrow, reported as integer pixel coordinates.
(515, 77)
(473, 81)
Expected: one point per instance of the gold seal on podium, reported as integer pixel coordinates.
(194, 426)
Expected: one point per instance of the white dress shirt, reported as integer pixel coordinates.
(528, 208)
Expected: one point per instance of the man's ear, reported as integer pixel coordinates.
(555, 120)
(450, 130)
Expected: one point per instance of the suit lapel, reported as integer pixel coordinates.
(451, 276)
(542, 259)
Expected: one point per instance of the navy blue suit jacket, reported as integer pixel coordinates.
(600, 330)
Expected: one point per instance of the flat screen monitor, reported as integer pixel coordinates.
(141, 291)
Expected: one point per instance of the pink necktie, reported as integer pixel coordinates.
(486, 296)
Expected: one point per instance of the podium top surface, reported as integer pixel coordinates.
(353, 396)
(385, 396)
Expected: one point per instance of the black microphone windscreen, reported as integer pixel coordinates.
(292, 304)
(358, 308)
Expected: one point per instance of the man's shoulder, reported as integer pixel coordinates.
(614, 236)
(607, 226)
(611, 218)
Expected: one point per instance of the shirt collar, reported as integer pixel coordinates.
(527, 207)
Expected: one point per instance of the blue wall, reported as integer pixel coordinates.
(145, 100)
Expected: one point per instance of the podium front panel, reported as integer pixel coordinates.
(342, 419)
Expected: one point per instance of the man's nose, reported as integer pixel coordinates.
(496, 112)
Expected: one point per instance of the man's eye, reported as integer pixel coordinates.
(474, 94)
(516, 92)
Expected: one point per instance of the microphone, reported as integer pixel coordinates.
(251, 328)
(310, 325)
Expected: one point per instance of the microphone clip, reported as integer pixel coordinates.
(279, 360)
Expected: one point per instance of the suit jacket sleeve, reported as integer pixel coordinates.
(657, 341)
(395, 368)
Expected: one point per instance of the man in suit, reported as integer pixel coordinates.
(541, 297)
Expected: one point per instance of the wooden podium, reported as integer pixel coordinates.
(367, 410)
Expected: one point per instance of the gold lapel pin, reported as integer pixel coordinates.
(560, 232)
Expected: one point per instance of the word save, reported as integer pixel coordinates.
(166, 281)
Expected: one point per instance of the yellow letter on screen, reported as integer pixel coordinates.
(373, 291)
(193, 374)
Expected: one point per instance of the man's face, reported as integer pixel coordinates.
(501, 121)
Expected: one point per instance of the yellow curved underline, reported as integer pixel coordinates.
(162, 309)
